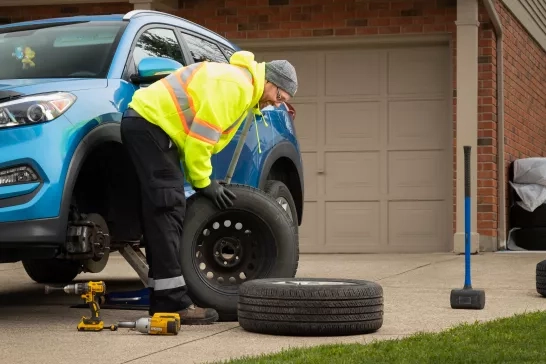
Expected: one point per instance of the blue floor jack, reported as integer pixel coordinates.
(140, 299)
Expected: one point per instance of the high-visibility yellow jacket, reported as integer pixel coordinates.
(201, 106)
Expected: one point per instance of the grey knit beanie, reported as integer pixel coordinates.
(283, 75)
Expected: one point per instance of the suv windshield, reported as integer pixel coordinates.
(59, 50)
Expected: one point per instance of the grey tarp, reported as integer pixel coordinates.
(529, 182)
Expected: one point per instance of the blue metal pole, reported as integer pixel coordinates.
(467, 214)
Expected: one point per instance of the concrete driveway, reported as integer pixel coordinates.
(42, 329)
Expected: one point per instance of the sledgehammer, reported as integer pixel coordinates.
(467, 297)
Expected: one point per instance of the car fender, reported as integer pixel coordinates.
(284, 149)
(105, 132)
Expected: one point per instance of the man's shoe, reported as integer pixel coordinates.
(194, 315)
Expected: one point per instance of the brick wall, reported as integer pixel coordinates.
(11, 14)
(487, 128)
(240, 19)
(524, 91)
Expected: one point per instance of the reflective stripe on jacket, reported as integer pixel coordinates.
(201, 107)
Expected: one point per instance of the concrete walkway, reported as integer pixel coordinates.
(42, 329)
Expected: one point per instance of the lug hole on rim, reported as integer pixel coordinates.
(232, 280)
(238, 226)
(216, 225)
(220, 280)
(242, 275)
(227, 223)
(210, 275)
(202, 266)
(206, 232)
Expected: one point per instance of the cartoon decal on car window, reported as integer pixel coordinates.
(25, 55)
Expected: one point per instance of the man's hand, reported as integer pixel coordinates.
(218, 194)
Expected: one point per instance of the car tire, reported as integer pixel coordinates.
(541, 278)
(530, 238)
(280, 192)
(52, 271)
(521, 218)
(223, 248)
(310, 306)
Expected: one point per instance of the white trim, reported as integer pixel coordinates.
(527, 13)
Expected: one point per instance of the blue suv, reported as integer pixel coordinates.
(64, 85)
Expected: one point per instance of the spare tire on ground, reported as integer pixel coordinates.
(541, 278)
(221, 249)
(310, 306)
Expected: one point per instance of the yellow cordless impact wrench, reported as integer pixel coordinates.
(158, 324)
(91, 293)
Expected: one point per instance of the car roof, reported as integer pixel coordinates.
(147, 15)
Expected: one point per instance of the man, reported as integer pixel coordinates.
(188, 116)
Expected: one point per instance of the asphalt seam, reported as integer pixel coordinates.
(181, 344)
(412, 269)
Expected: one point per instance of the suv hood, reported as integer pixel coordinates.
(41, 85)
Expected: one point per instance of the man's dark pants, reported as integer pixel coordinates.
(163, 206)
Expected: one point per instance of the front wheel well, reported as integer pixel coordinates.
(285, 171)
(107, 184)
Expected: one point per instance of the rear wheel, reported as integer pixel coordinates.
(280, 192)
(221, 249)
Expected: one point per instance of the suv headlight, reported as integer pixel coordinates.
(34, 109)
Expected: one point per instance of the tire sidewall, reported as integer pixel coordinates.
(199, 211)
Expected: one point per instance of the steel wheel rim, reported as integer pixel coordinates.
(232, 247)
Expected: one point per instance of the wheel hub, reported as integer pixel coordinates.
(228, 252)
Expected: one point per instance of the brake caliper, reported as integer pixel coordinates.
(86, 239)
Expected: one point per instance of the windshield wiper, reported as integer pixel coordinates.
(30, 29)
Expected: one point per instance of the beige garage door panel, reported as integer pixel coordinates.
(374, 129)
(416, 226)
(351, 125)
(356, 227)
(414, 124)
(352, 176)
(352, 74)
(417, 175)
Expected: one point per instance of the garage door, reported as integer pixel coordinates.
(374, 127)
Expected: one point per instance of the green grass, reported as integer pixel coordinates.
(517, 339)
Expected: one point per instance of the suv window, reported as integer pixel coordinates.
(228, 51)
(158, 42)
(203, 50)
(75, 49)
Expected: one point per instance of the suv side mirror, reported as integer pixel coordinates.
(151, 69)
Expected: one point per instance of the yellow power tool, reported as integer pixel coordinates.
(158, 324)
(91, 293)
